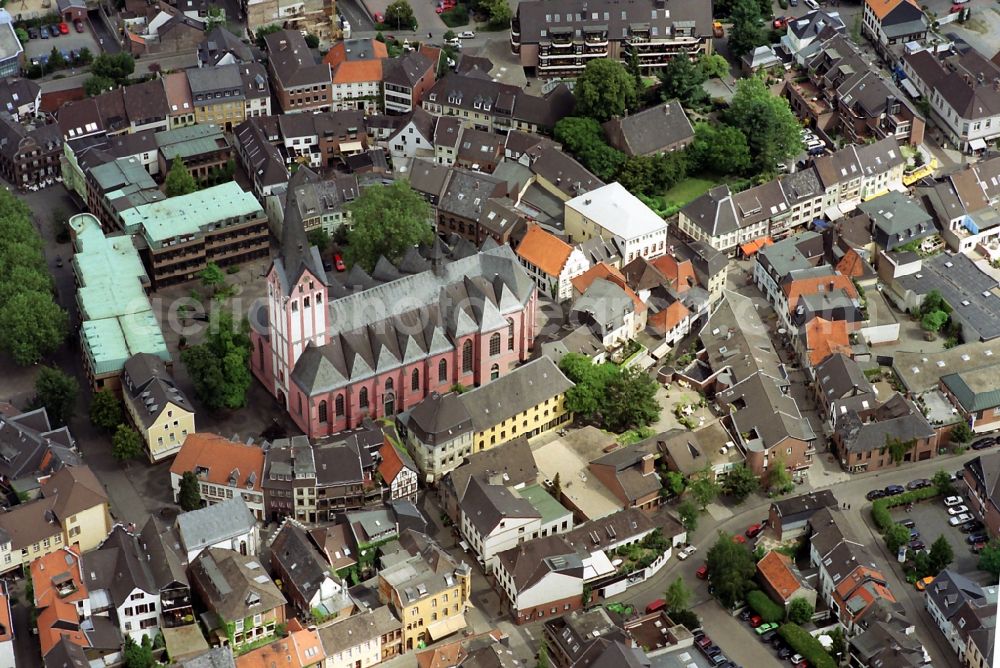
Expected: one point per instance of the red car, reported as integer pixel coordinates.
(779, 23)
(756, 621)
(338, 262)
(753, 530)
(78, 24)
(740, 539)
(658, 604)
(379, 18)
(702, 572)
(63, 29)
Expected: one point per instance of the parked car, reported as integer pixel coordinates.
(63, 28)
(769, 636)
(338, 262)
(764, 628)
(975, 526)
(467, 34)
(958, 510)
(78, 24)
(793, 3)
(953, 500)
(960, 519)
(719, 660)
(874, 494)
(978, 547)
(922, 583)
(914, 534)
(745, 615)
(32, 33)
(908, 523)
(977, 538)
(704, 640)
(59, 261)
(919, 483)
(916, 545)
(754, 529)
(755, 621)
(784, 652)
(795, 658)
(811, 4)
(658, 604)
(44, 32)
(54, 30)
(740, 539)
(893, 490)
(984, 443)
(379, 18)
(712, 650)
(702, 572)
(686, 552)
(779, 23)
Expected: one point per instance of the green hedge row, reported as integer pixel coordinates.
(802, 642)
(762, 604)
(880, 507)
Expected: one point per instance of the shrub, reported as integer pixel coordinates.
(880, 507)
(768, 610)
(802, 642)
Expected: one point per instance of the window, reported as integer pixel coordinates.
(467, 357)
(495, 344)
(363, 397)
(442, 371)
(338, 405)
(415, 380)
(299, 397)
(388, 384)
(495, 372)
(510, 334)
(322, 411)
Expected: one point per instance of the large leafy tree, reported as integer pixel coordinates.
(604, 89)
(399, 14)
(941, 555)
(896, 536)
(117, 67)
(942, 480)
(621, 399)
(677, 596)
(773, 132)
(681, 80)
(106, 410)
(740, 483)
(499, 12)
(31, 326)
(189, 494)
(56, 392)
(747, 32)
(688, 511)
(126, 443)
(731, 569)
(179, 180)
(719, 148)
(219, 366)
(388, 220)
(704, 490)
(212, 276)
(800, 611)
(989, 558)
(584, 138)
(95, 85)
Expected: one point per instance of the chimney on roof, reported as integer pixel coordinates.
(647, 464)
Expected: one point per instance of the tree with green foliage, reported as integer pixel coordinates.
(713, 66)
(387, 221)
(933, 301)
(800, 611)
(731, 568)
(126, 443)
(632, 65)
(57, 61)
(719, 149)
(138, 655)
(941, 555)
(319, 238)
(681, 80)
(604, 89)
(219, 367)
(769, 611)
(740, 483)
(55, 391)
(704, 490)
(961, 433)
(675, 482)
(312, 41)
(942, 480)
(747, 32)
(933, 321)
(897, 448)
(584, 138)
(117, 67)
(179, 180)
(543, 656)
(619, 398)
(189, 494)
(264, 31)
(989, 558)
(773, 132)
(677, 596)
(22, 35)
(779, 480)
(32, 326)
(94, 85)
(896, 537)
(106, 410)
(212, 276)
(688, 512)
(556, 486)
(84, 56)
(400, 14)
(499, 12)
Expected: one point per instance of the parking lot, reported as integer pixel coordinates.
(931, 519)
(74, 41)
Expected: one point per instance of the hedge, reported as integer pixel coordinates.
(880, 507)
(802, 642)
(768, 610)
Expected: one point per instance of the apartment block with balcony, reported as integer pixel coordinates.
(559, 38)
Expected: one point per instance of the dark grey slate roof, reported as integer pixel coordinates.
(650, 131)
(519, 390)
(486, 506)
(714, 212)
(896, 419)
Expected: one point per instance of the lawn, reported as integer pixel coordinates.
(691, 188)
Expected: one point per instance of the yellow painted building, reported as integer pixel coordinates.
(429, 591)
(73, 510)
(155, 406)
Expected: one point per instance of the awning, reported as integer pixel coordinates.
(351, 147)
(977, 145)
(751, 247)
(446, 626)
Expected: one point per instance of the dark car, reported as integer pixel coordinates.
(713, 650)
(893, 490)
(916, 545)
(874, 494)
(769, 636)
(914, 534)
(698, 634)
(32, 33)
(44, 32)
(972, 526)
(976, 538)
(784, 653)
(919, 483)
(745, 615)
(54, 30)
(984, 443)
(908, 523)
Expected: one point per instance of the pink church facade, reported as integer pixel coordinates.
(330, 380)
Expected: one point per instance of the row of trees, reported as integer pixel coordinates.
(109, 71)
(32, 325)
(702, 489)
(619, 399)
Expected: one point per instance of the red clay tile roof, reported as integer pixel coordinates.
(862, 585)
(338, 53)
(851, 264)
(358, 71)
(882, 7)
(544, 250)
(665, 320)
(826, 337)
(57, 615)
(391, 463)
(220, 456)
(606, 271)
(776, 569)
(299, 649)
(811, 286)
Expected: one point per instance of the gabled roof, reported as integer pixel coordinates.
(301, 648)
(304, 567)
(232, 585)
(393, 461)
(824, 338)
(488, 506)
(219, 461)
(215, 523)
(72, 490)
(778, 571)
(544, 250)
(292, 62)
(652, 130)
